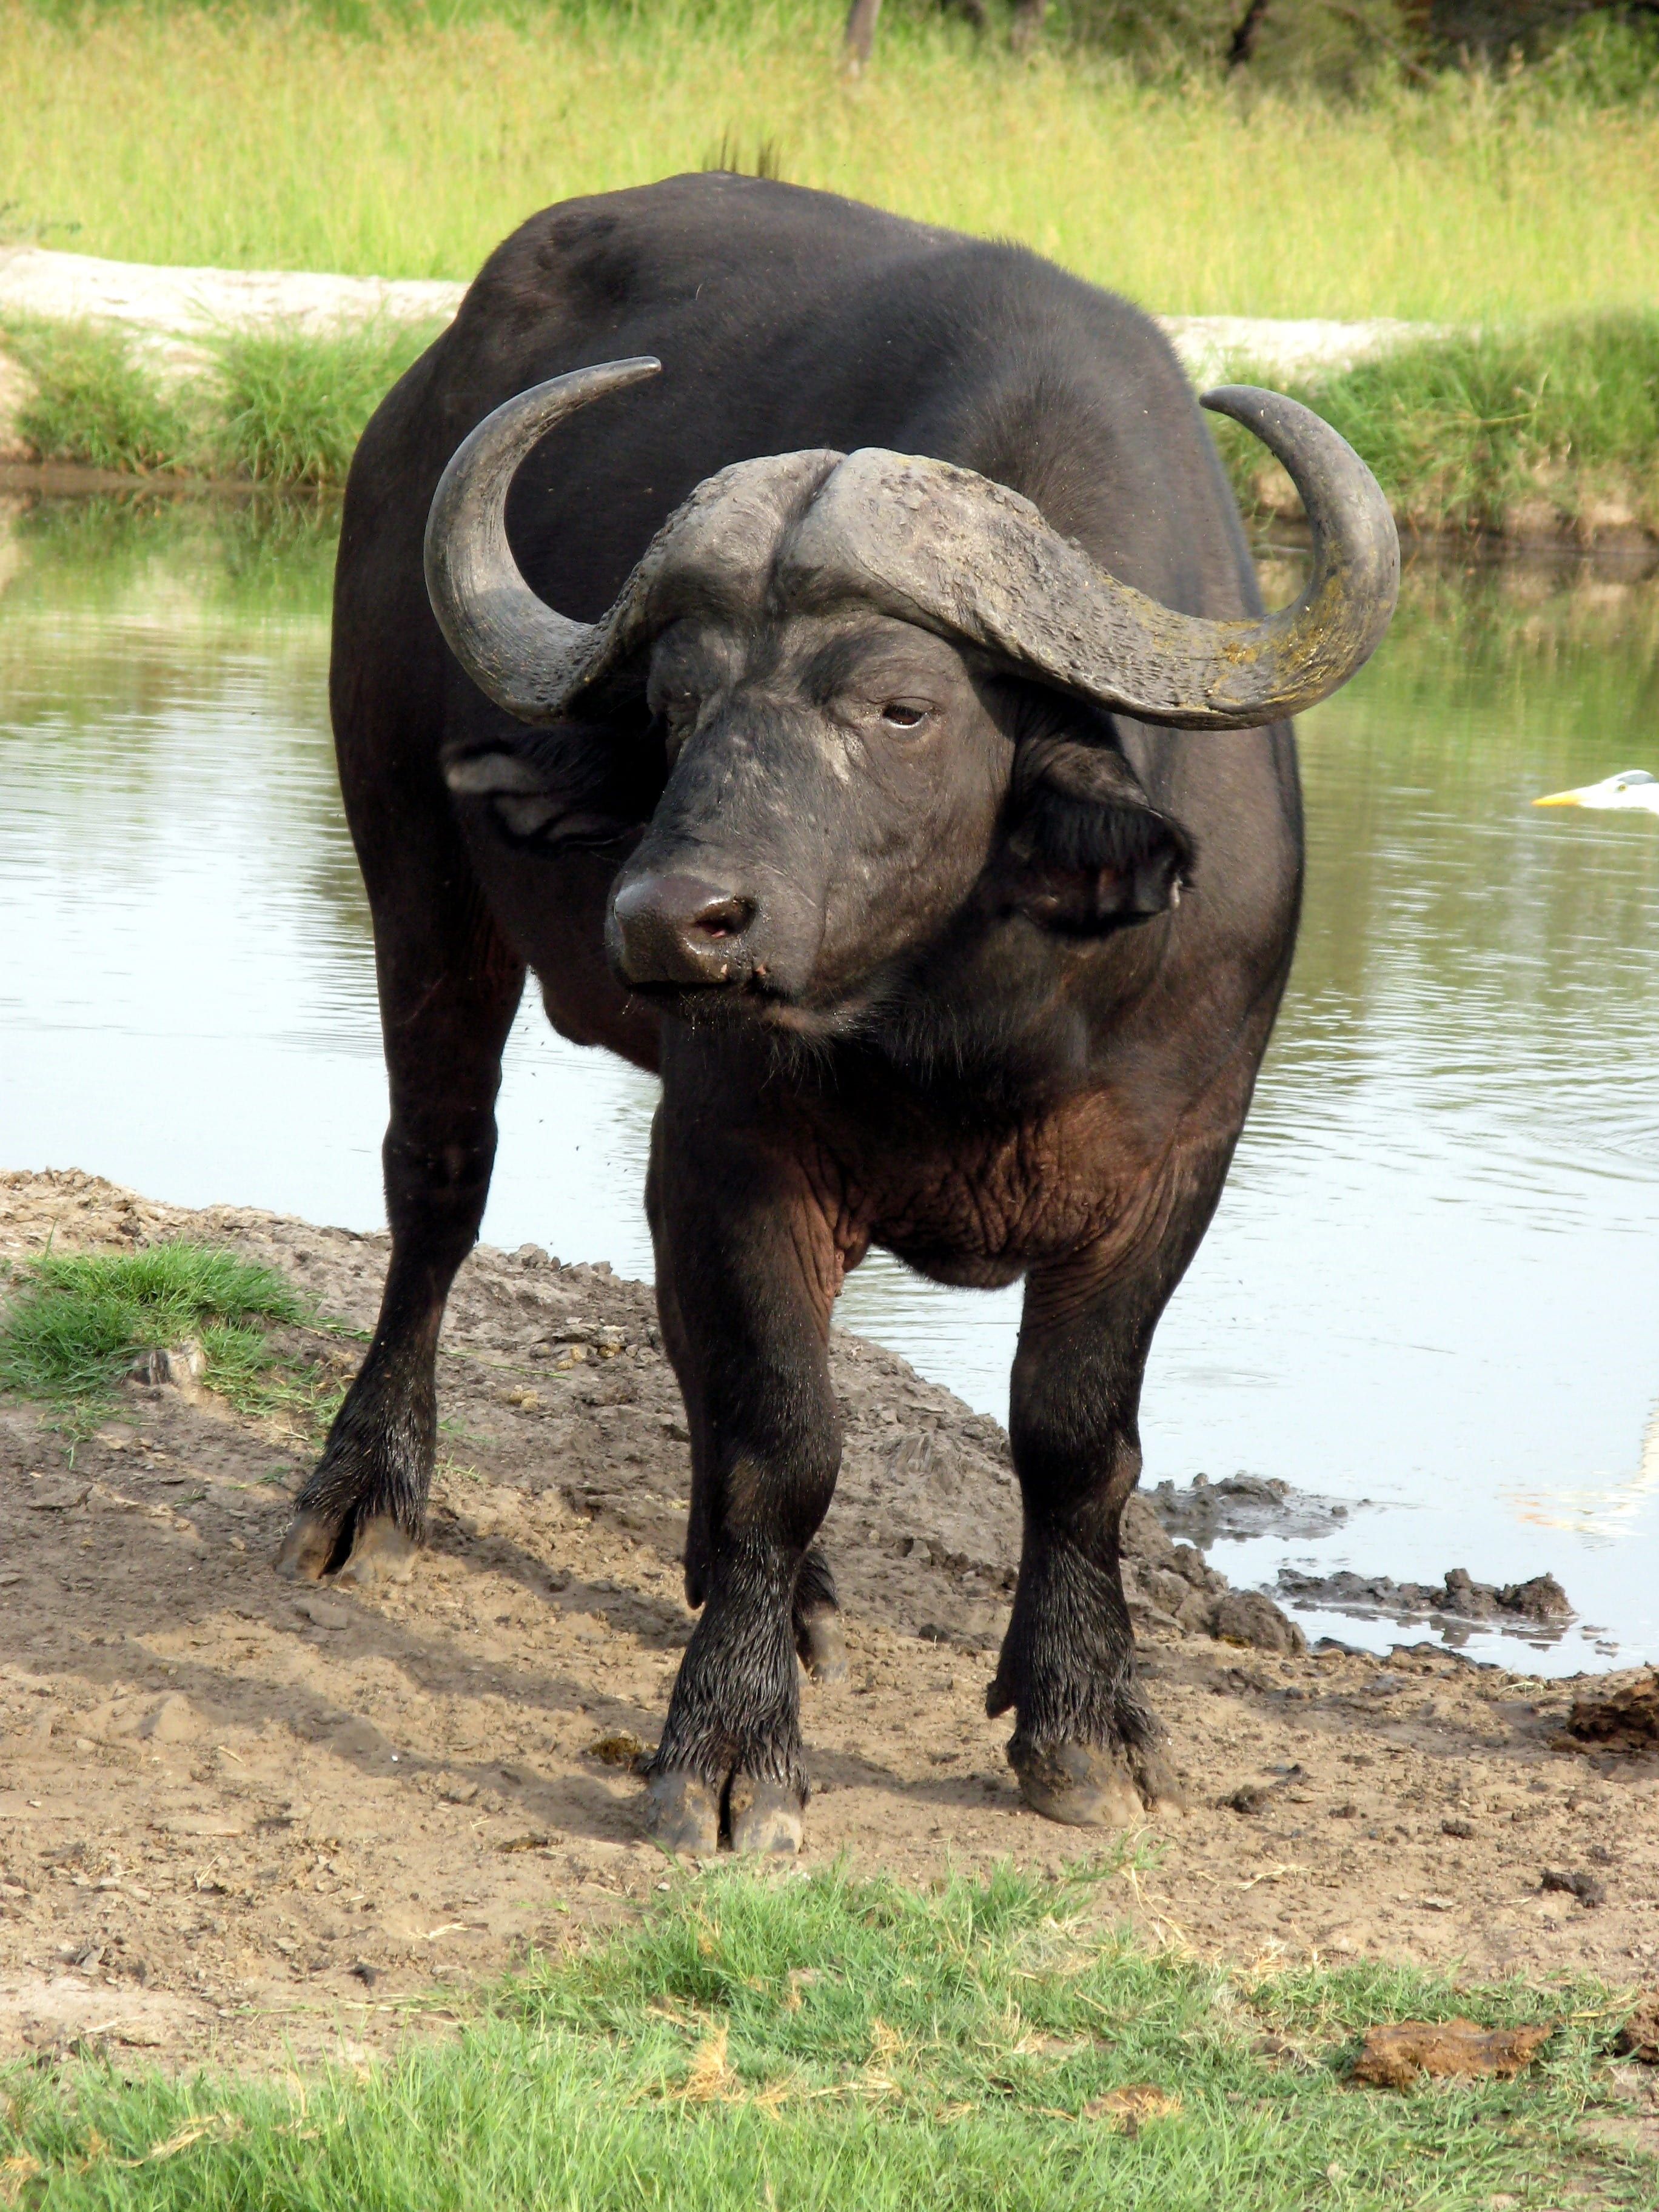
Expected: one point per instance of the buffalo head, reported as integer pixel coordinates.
(882, 690)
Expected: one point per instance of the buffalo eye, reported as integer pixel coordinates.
(901, 714)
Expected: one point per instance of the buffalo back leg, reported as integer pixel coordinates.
(449, 986)
(1086, 1746)
(746, 1271)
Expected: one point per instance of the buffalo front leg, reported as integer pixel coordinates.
(1086, 1746)
(445, 1012)
(820, 1639)
(745, 1272)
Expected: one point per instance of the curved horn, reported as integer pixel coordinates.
(515, 648)
(955, 552)
(1310, 648)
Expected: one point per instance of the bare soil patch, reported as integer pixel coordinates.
(241, 1818)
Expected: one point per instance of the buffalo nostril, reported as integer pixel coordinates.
(678, 929)
(727, 917)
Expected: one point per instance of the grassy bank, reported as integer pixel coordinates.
(243, 137)
(822, 2042)
(267, 408)
(1548, 429)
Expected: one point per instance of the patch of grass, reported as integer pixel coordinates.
(822, 2042)
(1469, 432)
(1463, 432)
(289, 408)
(407, 140)
(76, 1322)
(283, 409)
(96, 402)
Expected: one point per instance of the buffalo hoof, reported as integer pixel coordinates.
(766, 1817)
(381, 1553)
(683, 1813)
(306, 1548)
(1155, 1779)
(1078, 1785)
(821, 1644)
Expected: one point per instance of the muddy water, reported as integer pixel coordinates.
(1434, 1282)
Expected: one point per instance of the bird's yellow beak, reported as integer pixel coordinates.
(1561, 798)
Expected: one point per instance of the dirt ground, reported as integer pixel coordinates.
(238, 1819)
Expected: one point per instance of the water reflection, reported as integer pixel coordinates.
(1432, 1282)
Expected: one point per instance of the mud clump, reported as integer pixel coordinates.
(1170, 1586)
(1246, 1617)
(1245, 1505)
(1395, 2057)
(1541, 1602)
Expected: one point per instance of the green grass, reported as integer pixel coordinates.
(407, 141)
(804, 2043)
(1559, 418)
(95, 401)
(75, 1323)
(272, 407)
(288, 409)
(1544, 422)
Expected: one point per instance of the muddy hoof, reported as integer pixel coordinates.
(306, 1548)
(381, 1553)
(821, 1644)
(683, 1813)
(766, 1817)
(1078, 1785)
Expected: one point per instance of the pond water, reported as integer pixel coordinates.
(1433, 1284)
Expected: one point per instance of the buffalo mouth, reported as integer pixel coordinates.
(746, 1001)
(757, 1005)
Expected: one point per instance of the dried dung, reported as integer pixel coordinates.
(1393, 2056)
(1582, 1886)
(621, 1747)
(1626, 1719)
(1639, 2036)
(1127, 2110)
(1251, 1798)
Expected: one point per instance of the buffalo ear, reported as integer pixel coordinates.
(1090, 851)
(570, 785)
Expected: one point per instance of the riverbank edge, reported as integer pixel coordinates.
(115, 376)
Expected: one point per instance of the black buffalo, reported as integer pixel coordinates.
(905, 776)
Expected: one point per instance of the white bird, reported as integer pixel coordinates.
(1633, 787)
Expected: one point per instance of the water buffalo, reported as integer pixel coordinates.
(904, 776)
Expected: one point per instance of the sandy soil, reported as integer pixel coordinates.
(236, 1819)
(180, 305)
